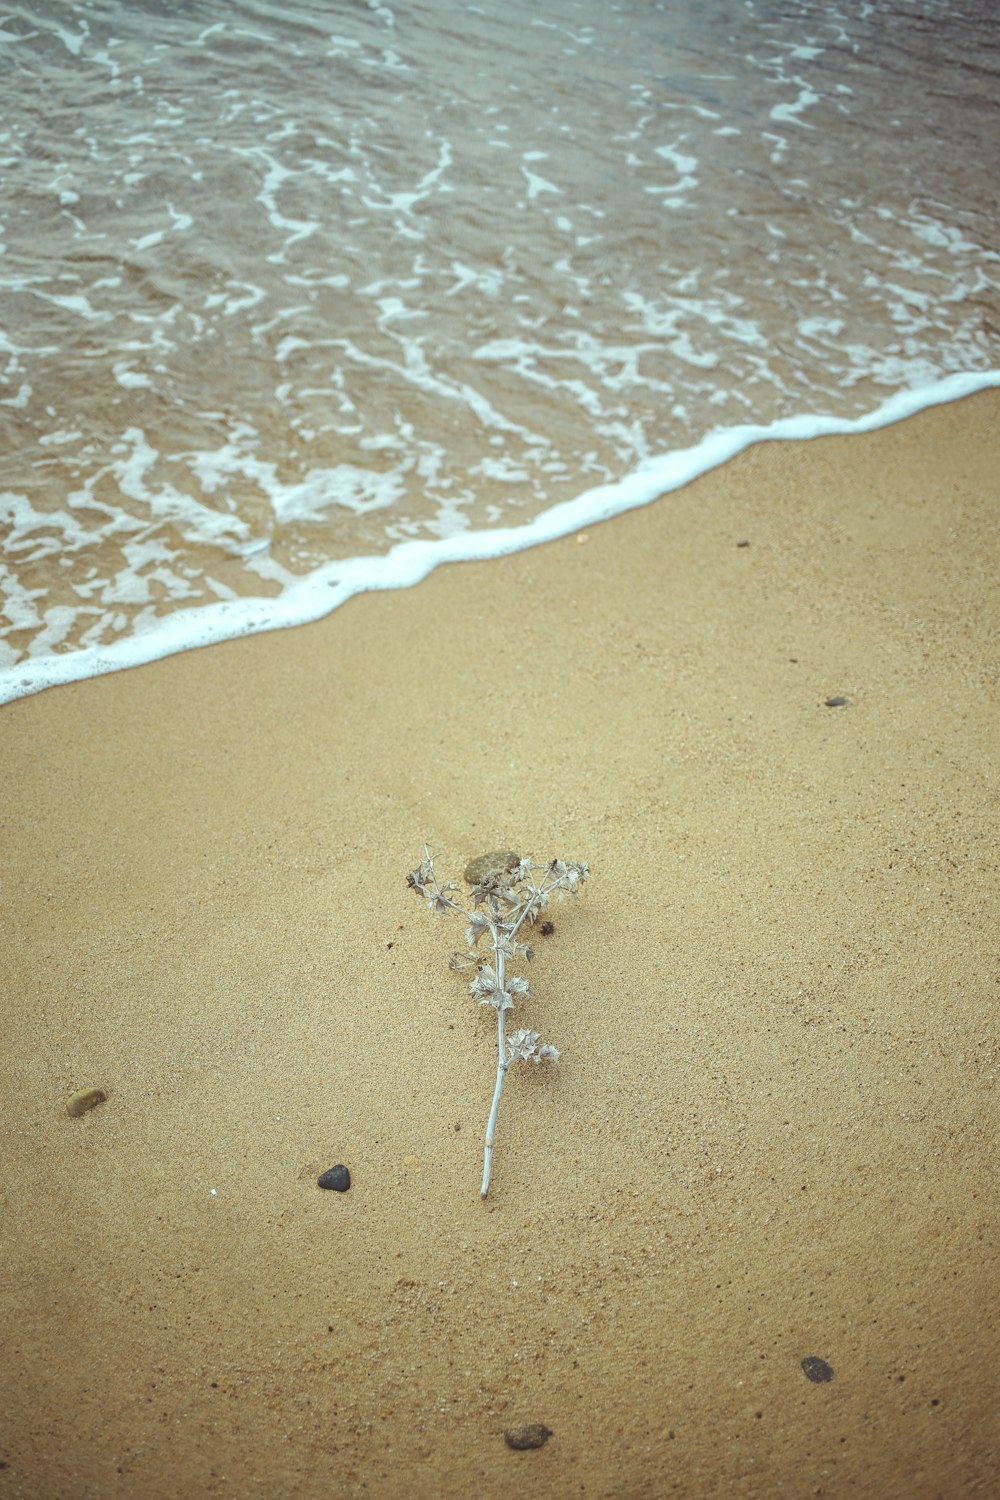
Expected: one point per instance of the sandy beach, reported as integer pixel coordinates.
(771, 1137)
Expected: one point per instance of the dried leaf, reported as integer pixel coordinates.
(487, 989)
(529, 1046)
(478, 924)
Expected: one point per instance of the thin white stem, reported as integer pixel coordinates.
(491, 1124)
(502, 1066)
(497, 931)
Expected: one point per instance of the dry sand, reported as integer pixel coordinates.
(772, 1133)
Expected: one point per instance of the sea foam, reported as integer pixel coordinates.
(323, 590)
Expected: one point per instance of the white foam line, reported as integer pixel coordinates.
(319, 593)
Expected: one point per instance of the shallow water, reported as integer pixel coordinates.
(289, 285)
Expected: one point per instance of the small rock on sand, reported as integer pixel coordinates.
(338, 1178)
(814, 1368)
(534, 1435)
(497, 863)
(83, 1100)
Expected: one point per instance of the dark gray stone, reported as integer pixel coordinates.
(338, 1178)
(814, 1368)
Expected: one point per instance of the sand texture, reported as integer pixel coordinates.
(772, 1133)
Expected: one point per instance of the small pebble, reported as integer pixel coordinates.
(338, 1178)
(83, 1100)
(534, 1435)
(814, 1368)
(547, 929)
(835, 702)
(497, 863)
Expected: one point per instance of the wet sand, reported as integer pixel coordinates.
(771, 1135)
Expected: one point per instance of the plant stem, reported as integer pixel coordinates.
(491, 1124)
(502, 1063)
(502, 1066)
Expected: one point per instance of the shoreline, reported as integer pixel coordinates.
(768, 1137)
(316, 595)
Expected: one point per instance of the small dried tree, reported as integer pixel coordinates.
(503, 901)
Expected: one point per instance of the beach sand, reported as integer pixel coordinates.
(771, 1135)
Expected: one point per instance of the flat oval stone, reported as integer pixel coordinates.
(338, 1178)
(534, 1435)
(83, 1100)
(814, 1368)
(837, 702)
(497, 863)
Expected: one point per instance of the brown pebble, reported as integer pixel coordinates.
(83, 1100)
(534, 1435)
(500, 862)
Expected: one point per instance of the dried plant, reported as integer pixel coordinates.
(508, 894)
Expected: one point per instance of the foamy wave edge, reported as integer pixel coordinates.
(321, 592)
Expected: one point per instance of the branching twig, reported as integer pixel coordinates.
(503, 899)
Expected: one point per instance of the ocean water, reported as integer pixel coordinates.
(301, 299)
